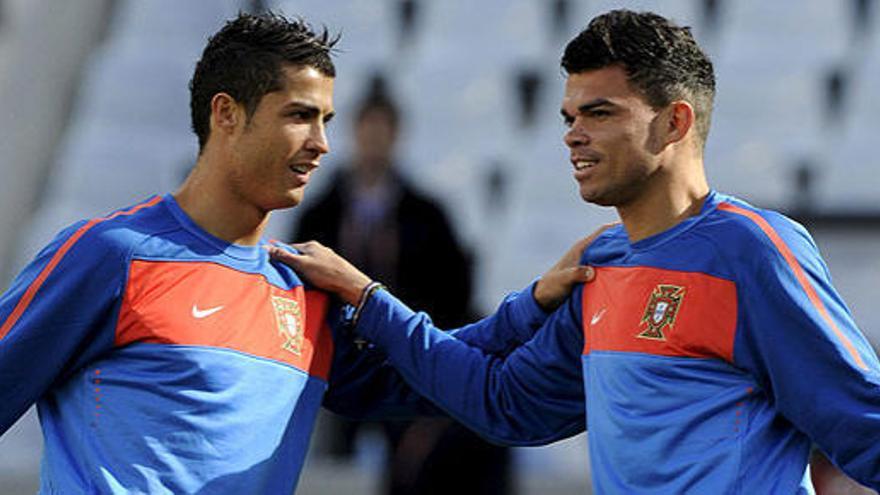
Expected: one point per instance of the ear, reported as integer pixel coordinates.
(226, 113)
(679, 119)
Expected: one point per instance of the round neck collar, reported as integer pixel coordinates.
(709, 204)
(237, 251)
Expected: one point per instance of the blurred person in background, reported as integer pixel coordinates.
(375, 217)
(711, 346)
(164, 350)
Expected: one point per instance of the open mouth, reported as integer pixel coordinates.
(585, 164)
(301, 169)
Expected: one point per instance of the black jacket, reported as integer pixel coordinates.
(422, 261)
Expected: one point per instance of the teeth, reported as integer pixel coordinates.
(584, 164)
(300, 169)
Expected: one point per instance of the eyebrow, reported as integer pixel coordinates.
(590, 105)
(307, 107)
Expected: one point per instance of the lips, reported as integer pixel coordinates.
(584, 160)
(301, 172)
(584, 164)
(303, 167)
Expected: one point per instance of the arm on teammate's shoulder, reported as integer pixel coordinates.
(58, 312)
(518, 317)
(532, 396)
(364, 385)
(513, 323)
(802, 343)
(556, 284)
(522, 313)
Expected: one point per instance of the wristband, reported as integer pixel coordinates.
(365, 296)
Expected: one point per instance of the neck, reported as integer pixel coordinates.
(214, 207)
(664, 204)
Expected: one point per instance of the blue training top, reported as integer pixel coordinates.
(165, 360)
(704, 359)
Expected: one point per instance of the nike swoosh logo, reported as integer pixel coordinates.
(204, 313)
(598, 316)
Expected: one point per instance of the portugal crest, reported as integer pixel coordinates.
(290, 323)
(661, 311)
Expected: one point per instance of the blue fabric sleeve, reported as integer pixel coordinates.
(532, 396)
(818, 369)
(514, 323)
(69, 320)
(364, 385)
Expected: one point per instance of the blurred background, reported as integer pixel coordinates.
(95, 115)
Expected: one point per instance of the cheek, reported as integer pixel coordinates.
(292, 138)
(654, 141)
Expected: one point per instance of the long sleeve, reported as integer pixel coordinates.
(802, 344)
(364, 385)
(513, 323)
(534, 395)
(57, 314)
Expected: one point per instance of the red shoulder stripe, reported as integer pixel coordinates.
(31, 291)
(799, 274)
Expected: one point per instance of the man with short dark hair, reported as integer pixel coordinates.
(710, 351)
(164, 350)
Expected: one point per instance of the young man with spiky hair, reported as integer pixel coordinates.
(164, 350)
(710, 351)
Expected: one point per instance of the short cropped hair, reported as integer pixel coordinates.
(246, 58)
(662, 60)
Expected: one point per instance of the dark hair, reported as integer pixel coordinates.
(661, 59)
(246, 59)
(378, 98)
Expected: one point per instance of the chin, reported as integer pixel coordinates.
(599, 199)
(291, 203)
(291, 198)
(592, 196)
(283, 203)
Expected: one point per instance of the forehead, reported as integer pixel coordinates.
(303, 84)
(609, 83)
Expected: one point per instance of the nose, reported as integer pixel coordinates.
(576, 135)
(318, 139)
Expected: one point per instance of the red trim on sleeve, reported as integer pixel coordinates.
(799, 274)
(32, 289)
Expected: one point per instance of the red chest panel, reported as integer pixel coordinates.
(207, 304)
(662, 312)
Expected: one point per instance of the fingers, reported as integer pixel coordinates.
(307, 247)
(581, 273)
(283, 255)
(588, 273)
(277, 251)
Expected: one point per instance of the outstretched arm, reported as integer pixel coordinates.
(516, 320)
(333, 273)
(532, 396)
